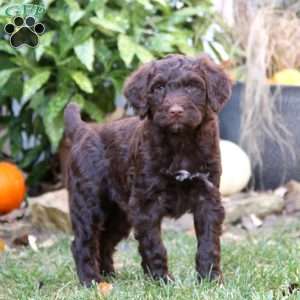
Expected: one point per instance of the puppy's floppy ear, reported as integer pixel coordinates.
(218, 83)
(136, 88)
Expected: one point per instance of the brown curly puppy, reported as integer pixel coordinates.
(133, 172)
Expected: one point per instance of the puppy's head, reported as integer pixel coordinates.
(176, 92)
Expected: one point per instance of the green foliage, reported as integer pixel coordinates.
(88, 49)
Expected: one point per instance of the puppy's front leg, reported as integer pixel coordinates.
(208, 218)
(147, 230)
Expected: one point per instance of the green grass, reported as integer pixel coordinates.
(261, 267)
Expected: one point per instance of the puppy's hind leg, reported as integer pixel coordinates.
(115, 228)
(87, 221)
(87, 214)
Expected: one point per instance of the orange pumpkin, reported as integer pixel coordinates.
(12, 187)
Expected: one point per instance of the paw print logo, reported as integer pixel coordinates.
(24, 32)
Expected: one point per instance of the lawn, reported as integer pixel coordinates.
(260, 267)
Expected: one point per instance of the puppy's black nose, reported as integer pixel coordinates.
(176, 110)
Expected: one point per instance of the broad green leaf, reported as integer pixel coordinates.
(5, 75)
(165, 7)
(35, 83)
(81, 34)
(57, 103)
(93, 110)
(6, 62)
(45, 41)
(105, 26)
(73, 4)
(116, 17)
(155, 43)
(189, 11)
(52, 52)
(185, 48)
(58, 14)
(118, 84)
(126, 48)
(46, 3)
(86, 53)
(82, 81)
(65, 40)
(23, 51)
(13, 88)
(104, 54)
(5, 47)
(3, 8)
(75, 13)
(15, 136)
(146, 4)
(162, 2)
(181, 15)
(183, 41)
(21, 61)
(53, 118)
(75, 16)
(79, 100)
(54, 129)
(96, 5)
(143, 54)
(3, 138)
(30, 156)
(38, 171)
(39, 102)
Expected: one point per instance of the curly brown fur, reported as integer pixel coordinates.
(122, 175)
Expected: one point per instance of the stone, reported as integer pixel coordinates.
(21, 240)
(51, 211)
(14, 215)
(10, 231)
(233, 234)
(251, 222)
(292, 197)
(258, 204)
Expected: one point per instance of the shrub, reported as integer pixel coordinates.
(87, 50)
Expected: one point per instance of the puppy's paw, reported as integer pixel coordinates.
(107, 270)
(168, 278)
(89, 282)
(165, 278)
(214, 276)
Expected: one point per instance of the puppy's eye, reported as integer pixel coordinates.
(190, 88)
(159, 88)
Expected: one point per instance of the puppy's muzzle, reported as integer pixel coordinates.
(176, 111)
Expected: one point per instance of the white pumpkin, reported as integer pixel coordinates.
(236, 168)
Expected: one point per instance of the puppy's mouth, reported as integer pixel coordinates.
(176, 126)
(177, 123)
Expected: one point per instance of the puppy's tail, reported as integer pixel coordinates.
(72, 119)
